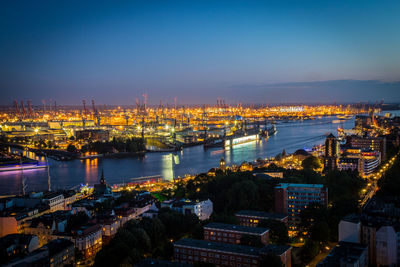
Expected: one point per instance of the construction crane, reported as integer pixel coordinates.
(126, 117)
(85, 111)
(30, 109)
(23, 108)
(145, 102)
(96, 113)
(44, 105)
(204, 118)
(16, 108)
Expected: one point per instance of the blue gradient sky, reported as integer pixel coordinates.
(249, 51)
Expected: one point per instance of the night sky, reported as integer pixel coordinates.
(241, 51)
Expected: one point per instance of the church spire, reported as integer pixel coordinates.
(102, 180)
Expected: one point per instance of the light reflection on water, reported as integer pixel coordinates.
(291, 136)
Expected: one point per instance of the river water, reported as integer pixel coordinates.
(290, 136)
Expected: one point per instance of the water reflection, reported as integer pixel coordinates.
(291, 136)
(91, 170)
(168, 166)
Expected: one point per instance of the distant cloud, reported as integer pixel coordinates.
(319, 91)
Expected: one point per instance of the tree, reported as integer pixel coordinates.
(71, 148)
(224, 218)
(143, 239)
(242, 195)
(270, 260)
(77, 220)
(315, 212)
(125, 237)
(42, 144)
(311, 163)
(309, 251)
(84, 148)
(154, 228)
(112, 255)
(278, 231)
(320, 232)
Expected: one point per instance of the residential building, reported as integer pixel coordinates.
(88, 240)
(377, 228)
(350, 229)
(110, 225)
(15, 211)
(346, 254)
(284, 252)
(252, 217)
(230, 233)
(346, 164)
(189, 251)
(39, 257)
(151, 213)
(221, 254)
(125, 214)
(331, 152)
(291, 199)
(369, 162)
(364, 160)
(386, 246)
(69, 198)
(150, 262)
(372, 143)
(47, 225)
(55, 201)
(202, 209)
(15, 245)
(61, 252)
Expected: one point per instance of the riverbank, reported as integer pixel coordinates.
(115, 155)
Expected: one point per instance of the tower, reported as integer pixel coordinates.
(102, 180)
(222, 164)
(331, 152)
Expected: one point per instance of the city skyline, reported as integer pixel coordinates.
(244, 51)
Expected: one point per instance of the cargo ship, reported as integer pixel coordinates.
(242, 139)
(269, 132)
(214, 143)
(232, 140)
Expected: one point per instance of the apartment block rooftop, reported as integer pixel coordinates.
(261, 214)
(236, 228)
(215, 246)
(286, 185)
